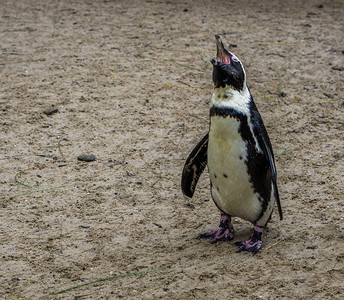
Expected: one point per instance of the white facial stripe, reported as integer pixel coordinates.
(244, 74)
(235, 58)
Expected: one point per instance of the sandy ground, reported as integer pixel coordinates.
(132, 82)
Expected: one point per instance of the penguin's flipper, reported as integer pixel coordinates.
(194, 166)
(274, 177)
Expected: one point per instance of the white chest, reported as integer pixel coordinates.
(231, 187)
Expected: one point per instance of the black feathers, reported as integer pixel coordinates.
(228, 74)
(194, 166)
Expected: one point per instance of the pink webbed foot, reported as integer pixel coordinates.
(225, 231)
(254, 243)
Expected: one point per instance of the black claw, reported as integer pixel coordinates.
(239, 250)
(203, 236)
(248, 247)
(213, 238)
(252, 250)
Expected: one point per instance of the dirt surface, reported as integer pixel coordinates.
(131, 82)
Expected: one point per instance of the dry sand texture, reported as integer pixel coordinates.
(132, 82)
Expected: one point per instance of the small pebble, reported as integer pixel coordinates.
(51, 110)
(86, 157)
(338, 68)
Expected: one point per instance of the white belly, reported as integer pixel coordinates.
(231, 188)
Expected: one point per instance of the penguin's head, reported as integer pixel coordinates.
(228, 69)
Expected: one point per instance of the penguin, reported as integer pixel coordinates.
(238, 153)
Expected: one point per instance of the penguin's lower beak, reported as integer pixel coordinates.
(221, 54)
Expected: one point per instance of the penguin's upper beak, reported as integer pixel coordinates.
(222, 54)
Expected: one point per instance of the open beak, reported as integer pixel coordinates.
(221, 54)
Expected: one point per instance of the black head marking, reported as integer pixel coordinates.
(228, 69)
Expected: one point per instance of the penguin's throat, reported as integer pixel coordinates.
(229, 97)
(223, 93)
(228, 94)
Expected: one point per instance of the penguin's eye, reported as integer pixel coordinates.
(235, 59)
